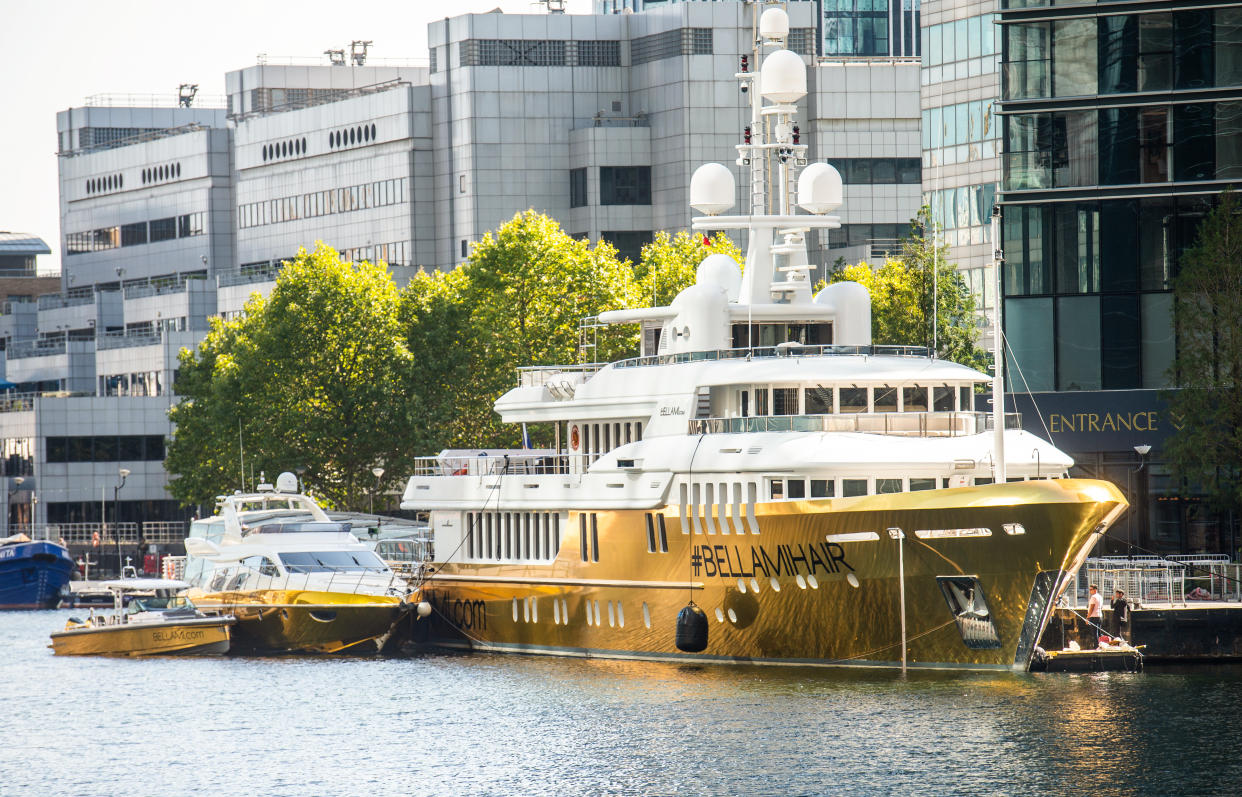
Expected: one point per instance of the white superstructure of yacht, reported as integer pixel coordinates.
(762, 483)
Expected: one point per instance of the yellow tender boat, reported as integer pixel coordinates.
(148, 619)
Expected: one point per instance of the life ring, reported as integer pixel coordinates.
(573, 437)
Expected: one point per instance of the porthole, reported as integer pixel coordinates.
(372, 131)
(120, 181)
(359, 135)
(331, 141)
(612, 616)
(588, 612)
(776, 585)
(813, 581)
(534, 609)
(366, 133)
(800, 581)
(741, 586)
(754, 586)
(620, 615)
(515, 611)
(351, 137)
(303, 145)
(646, 615)
(177, 168)
(852, 580)
(719, 615)
(263, 152)
(732, 616)
(526, 610)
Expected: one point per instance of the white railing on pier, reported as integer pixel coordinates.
(104, 534)
(1176, 580)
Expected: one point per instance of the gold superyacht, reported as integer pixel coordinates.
(762, 484)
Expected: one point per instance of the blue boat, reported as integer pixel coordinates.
(33, 575)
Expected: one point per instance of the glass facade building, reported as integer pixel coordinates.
(1121, 124)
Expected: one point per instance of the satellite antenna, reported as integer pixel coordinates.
(553, 6)
(336, 57)
(185, 94)
(358, 51)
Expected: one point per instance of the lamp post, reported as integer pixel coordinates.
(17, 485)
(116, 518)
(1141, 497)
(378, 472)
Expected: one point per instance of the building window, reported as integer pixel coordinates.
(578, 188)
(134, 234)
(629, 243)
(625, 185)
(513, 52)
(599, 53)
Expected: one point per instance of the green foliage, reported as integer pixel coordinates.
(308, 378)
(902, 291)
(1206, 452)
(669, 262)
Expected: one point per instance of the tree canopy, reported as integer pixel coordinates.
(1206, 452)
(338, 371)
(902, 291)
(306, 379)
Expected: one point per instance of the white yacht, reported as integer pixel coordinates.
(763, 483)
(295, 579)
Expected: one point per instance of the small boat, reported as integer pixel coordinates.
(296, 580)
(149, 618)
(33, 573)
(1111, 656)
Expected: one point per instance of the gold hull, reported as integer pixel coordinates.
(303, 621)
(817, 602)
(197, 636)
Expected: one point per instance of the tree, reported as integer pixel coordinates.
(669, 262)
(902, 291)
(1206, 452)
(307, 379)
(517, 301)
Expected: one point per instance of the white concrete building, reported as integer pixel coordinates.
(171, 215)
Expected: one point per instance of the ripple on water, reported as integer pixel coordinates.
(491, 724)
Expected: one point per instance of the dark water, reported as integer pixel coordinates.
(491, 724)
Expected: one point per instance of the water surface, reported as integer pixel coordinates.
(501, 724)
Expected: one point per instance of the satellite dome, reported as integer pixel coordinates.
(774, 24)
(712, 189)
(782, 78)
(819, 188)
(722, 271)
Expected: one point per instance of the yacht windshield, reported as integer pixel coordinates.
(327, 561)
(158, 604)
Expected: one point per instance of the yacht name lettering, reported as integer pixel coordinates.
(666, 411)
(729, 561)
(178, 635)
(461, 613)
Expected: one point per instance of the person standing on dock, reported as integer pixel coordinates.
(1121, 615)
(1095, 616)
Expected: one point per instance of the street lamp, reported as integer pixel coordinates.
(378, 472)
(116, 518)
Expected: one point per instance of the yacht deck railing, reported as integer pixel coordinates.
(764, 352)
(907, 424)
(496, 465)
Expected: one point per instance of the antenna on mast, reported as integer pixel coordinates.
(358, 51)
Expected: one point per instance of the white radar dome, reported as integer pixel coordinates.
(774, 24)
(712, 189)
(782, 78)
(722, 271)
(286, 483)
(819, 188)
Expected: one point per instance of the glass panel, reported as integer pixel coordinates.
(1118, 54)
(1026, 70)
(1155, 228)
(1194, 137)
(1227, 49)
(887, 486)
(1154, 145)
(853, 487)
(1119, 342)
(943, 398)
(914, 399)
(1190, 38)
(1029, 361)
(1077, 249)
(1155, 61)
(1074, 58)
(1118, 258)
(1228, 140)
(1119, 154)
(886, 399)
(1158, 339)
(784, 401)
(797, 488)
(1078, 343)
(1025, 263)
(853, 399)
(922, 484)
(822, 488)
(818, 400)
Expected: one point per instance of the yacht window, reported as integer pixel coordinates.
(983, 480)
(853, 487)
(663, 534)
(914, 399)
(818, 400)
(594, 538)
(887, 486)
(607, 438)
(744, 402)
(470, 535)
(797, 488)
(638, 431)
(922, 484)
(777, 489)
(853, 399)
(968, 404)
(262, 564)
(886, 399)
(328, 561)
(651, 540)
(582, 538)
(942, 399)
(629, 433)
(784, 401)
(822, 488)
(761, 401)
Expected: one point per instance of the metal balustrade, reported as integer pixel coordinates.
(907, 424)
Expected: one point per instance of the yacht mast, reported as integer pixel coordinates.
(998, 357)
